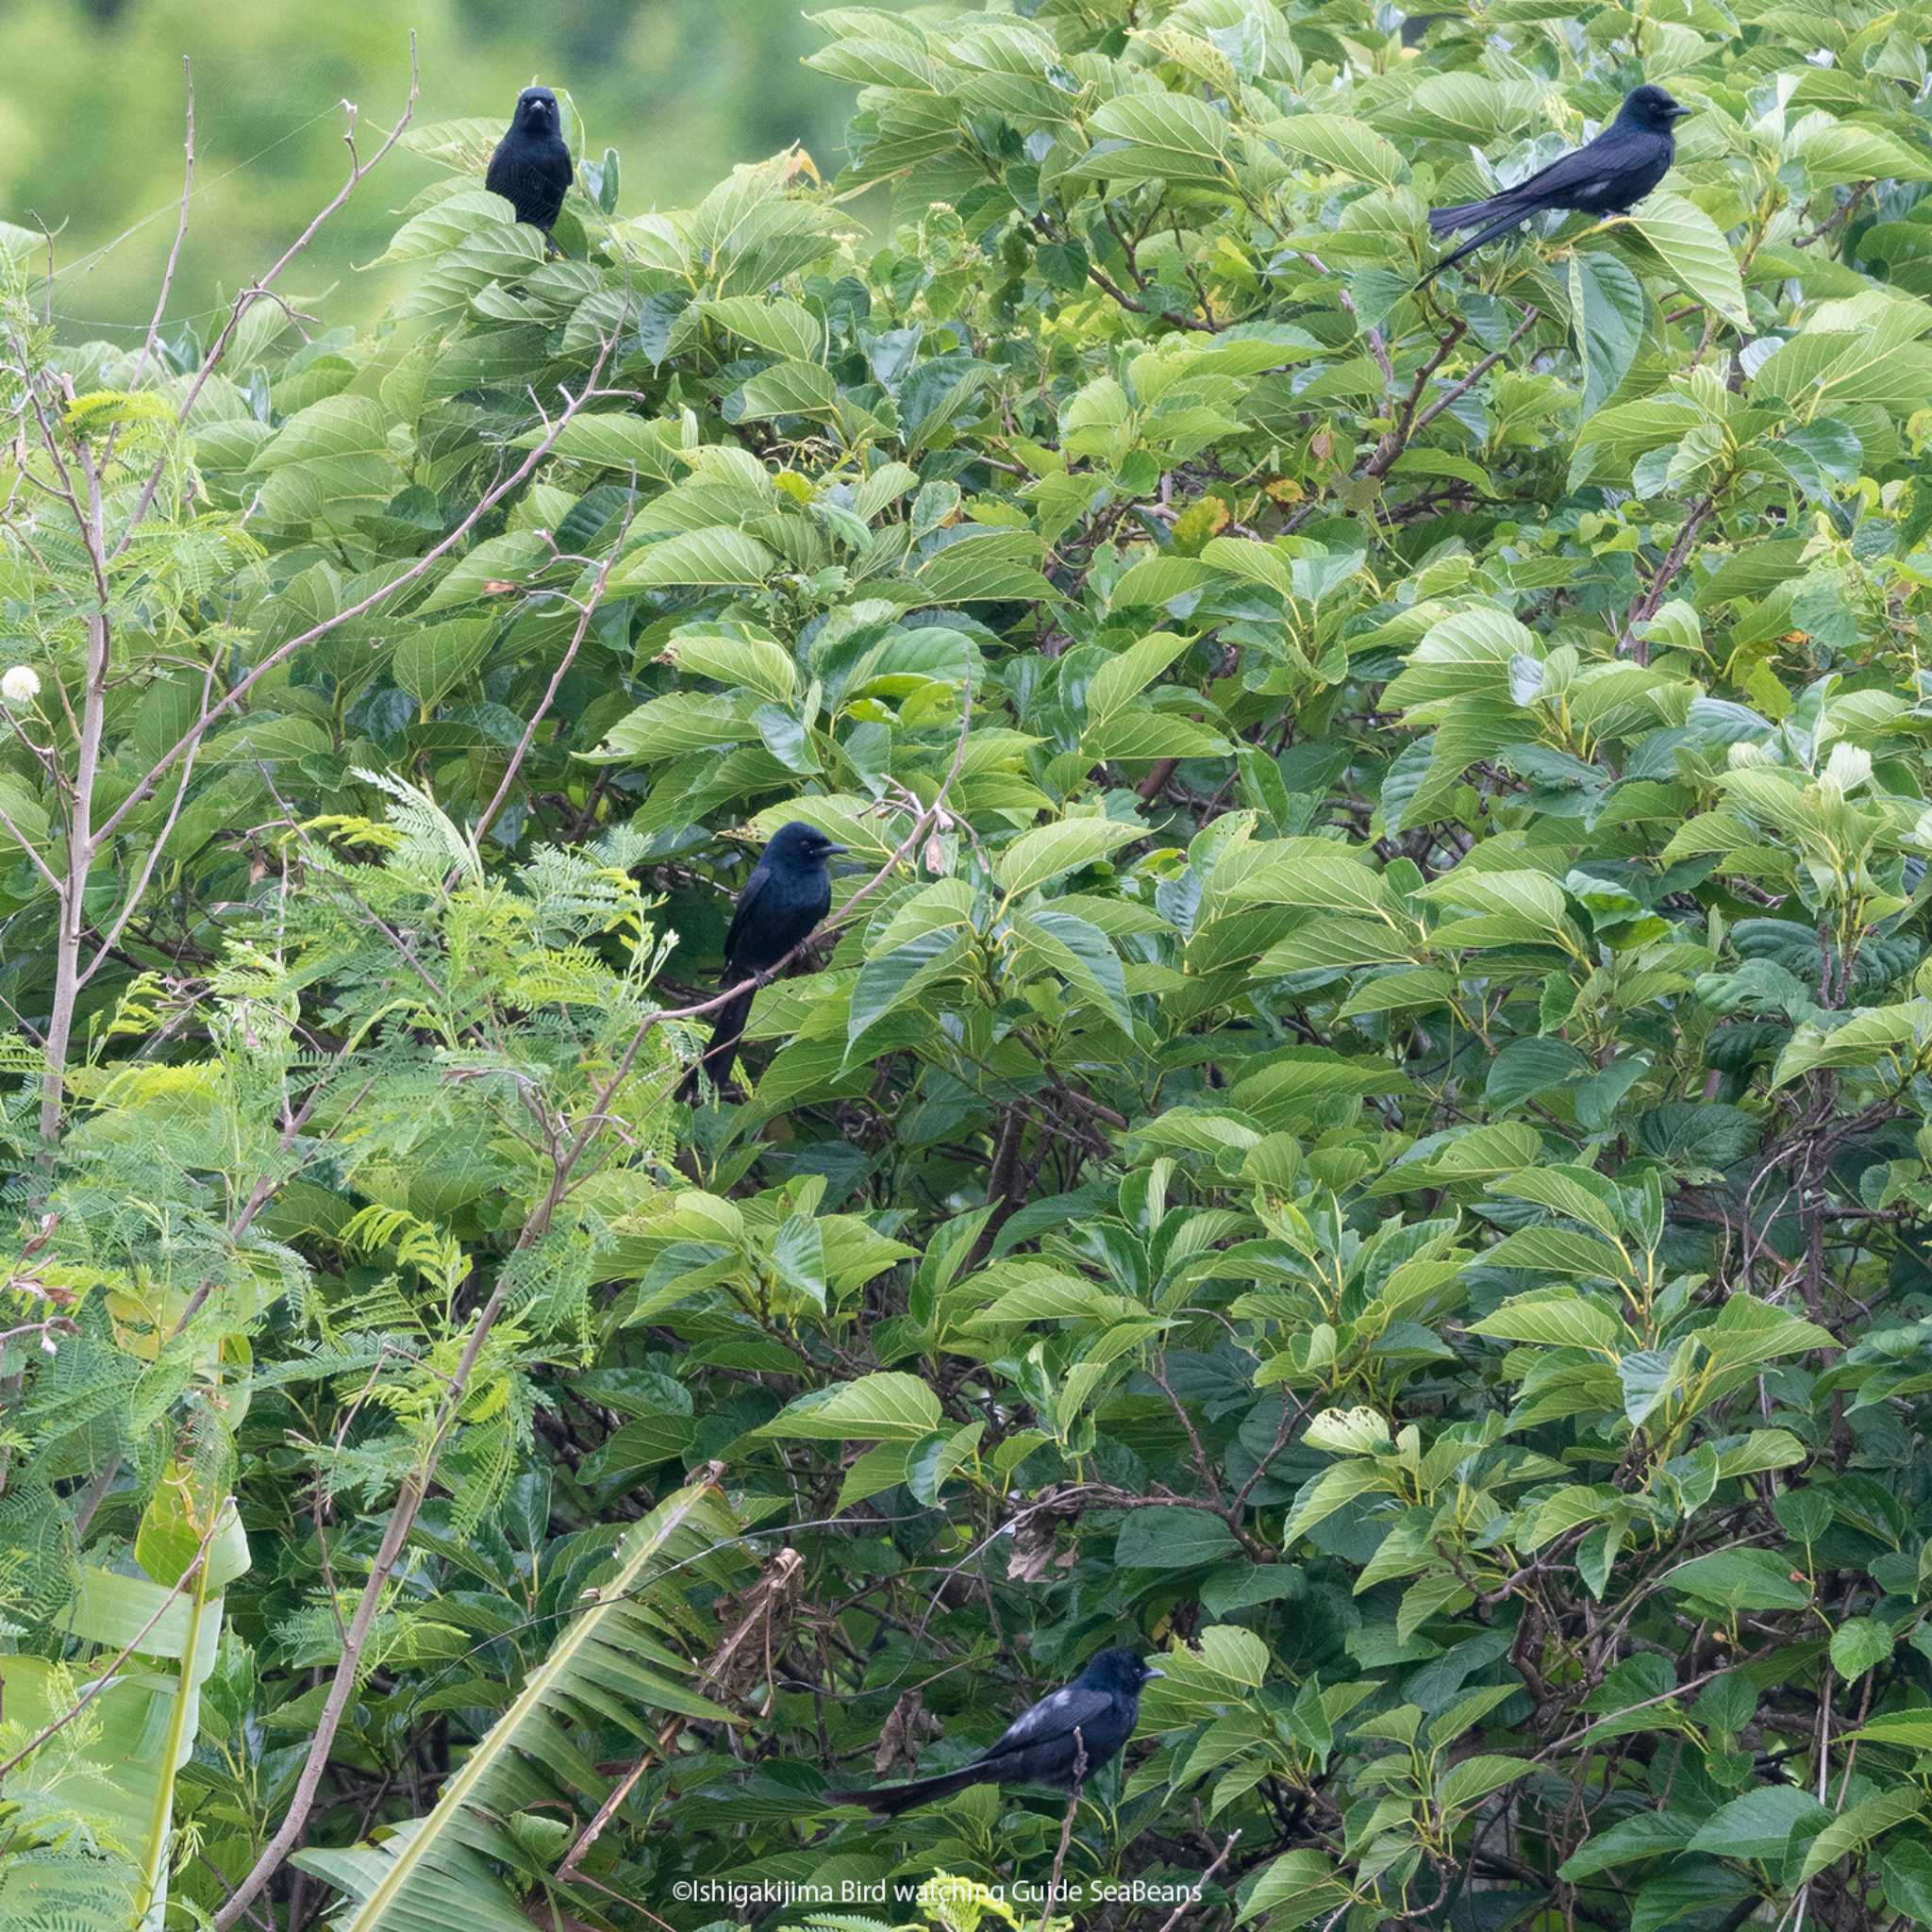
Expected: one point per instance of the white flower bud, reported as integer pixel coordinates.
(20, 685)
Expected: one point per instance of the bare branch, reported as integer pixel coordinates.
(261, 287)
(138, 889)
(1059, 1857)
(342, 1687)
(154, 327)
(1651, 601)
(543, 711)
(1174, 1917)
(20, 839)
(240, 689)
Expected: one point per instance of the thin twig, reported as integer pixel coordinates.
(402, 1520)
(1651, 602)
(39, 864)
(238, 691)
(260, 289)
(138, 889)
(543, 711)
(154, 327)
(1059, 1857)
(1174, 1918)
(1459, 390)
(780, 1578)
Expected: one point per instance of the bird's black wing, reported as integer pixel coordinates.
(556, 168)
(532, 179)
(1058, 1716)
(744, 919)
(1585, 170)
(1591, 171)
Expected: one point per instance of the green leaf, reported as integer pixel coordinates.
(1559, 1321)
(1696, 254)
(895, 979)
(1844, 151)
(513, 559)
(1331, 1491)
(1852, 1830)
(1468, 108)
(884, 1408)
(1124, 678)
(1907, 1873)
(1169, 1539)
(1049, 852)
(679, 723)
(1759, 1823)
(1870, 1037)
(1579, 1192)
(1608, 314)
(1077, 953)
(993, 566)
(432, 661)
(715, 557)
(1649, 1835)
(745, 658)
(1347, 147)
(1160, 137)
(1911, 1729)
(626, 443)
(1474, 1778)
(1743, 1580)
(1557, 1251)
(1467, 654)
(786, 389)
(1460, 1156)
(447, 223)
(1294, 1890)
(774, 323)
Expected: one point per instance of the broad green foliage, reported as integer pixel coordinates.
(1360, 1120)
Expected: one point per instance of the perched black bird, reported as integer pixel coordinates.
(1609, 175)
(788, 894)
(1083, 1725)
(531, 168)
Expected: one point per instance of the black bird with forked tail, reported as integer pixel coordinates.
(789, 892)
(1063, 1740)
(1609, 175)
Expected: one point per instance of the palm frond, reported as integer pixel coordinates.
(609, 1673)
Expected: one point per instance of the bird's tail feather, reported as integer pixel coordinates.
(1468, 214)
(726, 1031)
(889, 1800)
(1470, 246)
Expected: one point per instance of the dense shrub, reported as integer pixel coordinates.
(1360, 1122)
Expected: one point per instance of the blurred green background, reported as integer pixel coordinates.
(92, 123)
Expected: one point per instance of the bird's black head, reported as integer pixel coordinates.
(1119, 1672)
(1649, 107)
(801, 845)
(537, 111)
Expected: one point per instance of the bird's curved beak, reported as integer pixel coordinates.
(831, 849)
(1152, 1672)
(1680, 112)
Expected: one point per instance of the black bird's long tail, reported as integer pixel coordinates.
(889, 1800)
(727, 1029)
(1507, 216)
(1465, 214)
